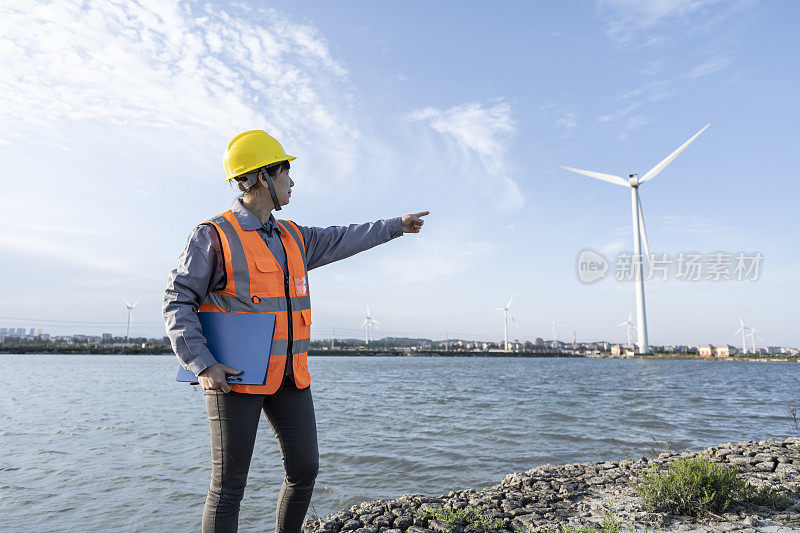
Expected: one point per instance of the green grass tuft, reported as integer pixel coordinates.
(609, 525)
(694, 486)
(468, 516)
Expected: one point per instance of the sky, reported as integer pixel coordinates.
(115, 115)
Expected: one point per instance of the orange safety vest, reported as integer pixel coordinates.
(256, 283)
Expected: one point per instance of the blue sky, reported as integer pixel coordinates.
(115, 116)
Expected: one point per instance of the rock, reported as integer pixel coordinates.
(331, 526)
(417, 529)
(751, 521)
(741, 460)
(443, 527)
(383, 521)
(786, 469)
(367, 529)
(351, 525)
(525, 522)
(368, 518)
(766, 466)
(403, 522)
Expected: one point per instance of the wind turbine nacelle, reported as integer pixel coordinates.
(633, 179)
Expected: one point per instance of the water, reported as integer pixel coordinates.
(101, 443)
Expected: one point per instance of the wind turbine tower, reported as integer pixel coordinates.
(629, 324)
(369, 324)
(507, 313)
(754, 335)
(743, 330)
(555, 333)
(639, 233)
(130, 313)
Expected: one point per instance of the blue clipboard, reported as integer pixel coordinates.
(239, 340)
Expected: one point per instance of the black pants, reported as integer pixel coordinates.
(233, 418)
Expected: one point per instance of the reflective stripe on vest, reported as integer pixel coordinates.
(255, 284)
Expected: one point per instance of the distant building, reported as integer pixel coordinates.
(108, 337)
(623, 349)
(538, 342)
(716, 350)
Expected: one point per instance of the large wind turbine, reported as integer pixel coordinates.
(369, 323)
(743, 330)
(130, 312)
(507, 313)
(639, 233)
(629, 324)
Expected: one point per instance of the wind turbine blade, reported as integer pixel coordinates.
(509, 301)
(375, 324)
(512, 318)
(364, 323)
(737, 332)
(137, 303)
(610, 178)
(643, 230)
(653, 172)
(621, 324)
(630, 315)
(127, 303)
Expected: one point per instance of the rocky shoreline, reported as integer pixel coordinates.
(581, 494)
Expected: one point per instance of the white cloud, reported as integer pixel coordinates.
(481, 131)
(568, 123)
(612, 248)
(197, 70)
(646, 21)
(632, 124)
(712, 65)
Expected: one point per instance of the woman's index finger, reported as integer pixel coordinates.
(422, 213)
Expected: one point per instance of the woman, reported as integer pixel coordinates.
(244, 260)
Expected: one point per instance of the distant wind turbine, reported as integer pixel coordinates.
(369, 323)
(754, 335)
(629, 324)
(555, 333)
(130, 313)
(639, 234)
(743, 330)
(507, 313)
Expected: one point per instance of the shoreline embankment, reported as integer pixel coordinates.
(581, 495)
(21, 349)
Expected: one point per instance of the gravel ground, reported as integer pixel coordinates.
(577, 494)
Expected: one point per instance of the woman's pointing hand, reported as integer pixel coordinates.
(413, 223)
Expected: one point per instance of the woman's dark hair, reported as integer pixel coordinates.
(277, 167)
(246, 181)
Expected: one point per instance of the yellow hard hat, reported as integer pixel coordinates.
(251, 150)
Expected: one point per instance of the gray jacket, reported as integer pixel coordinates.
(200, 271)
